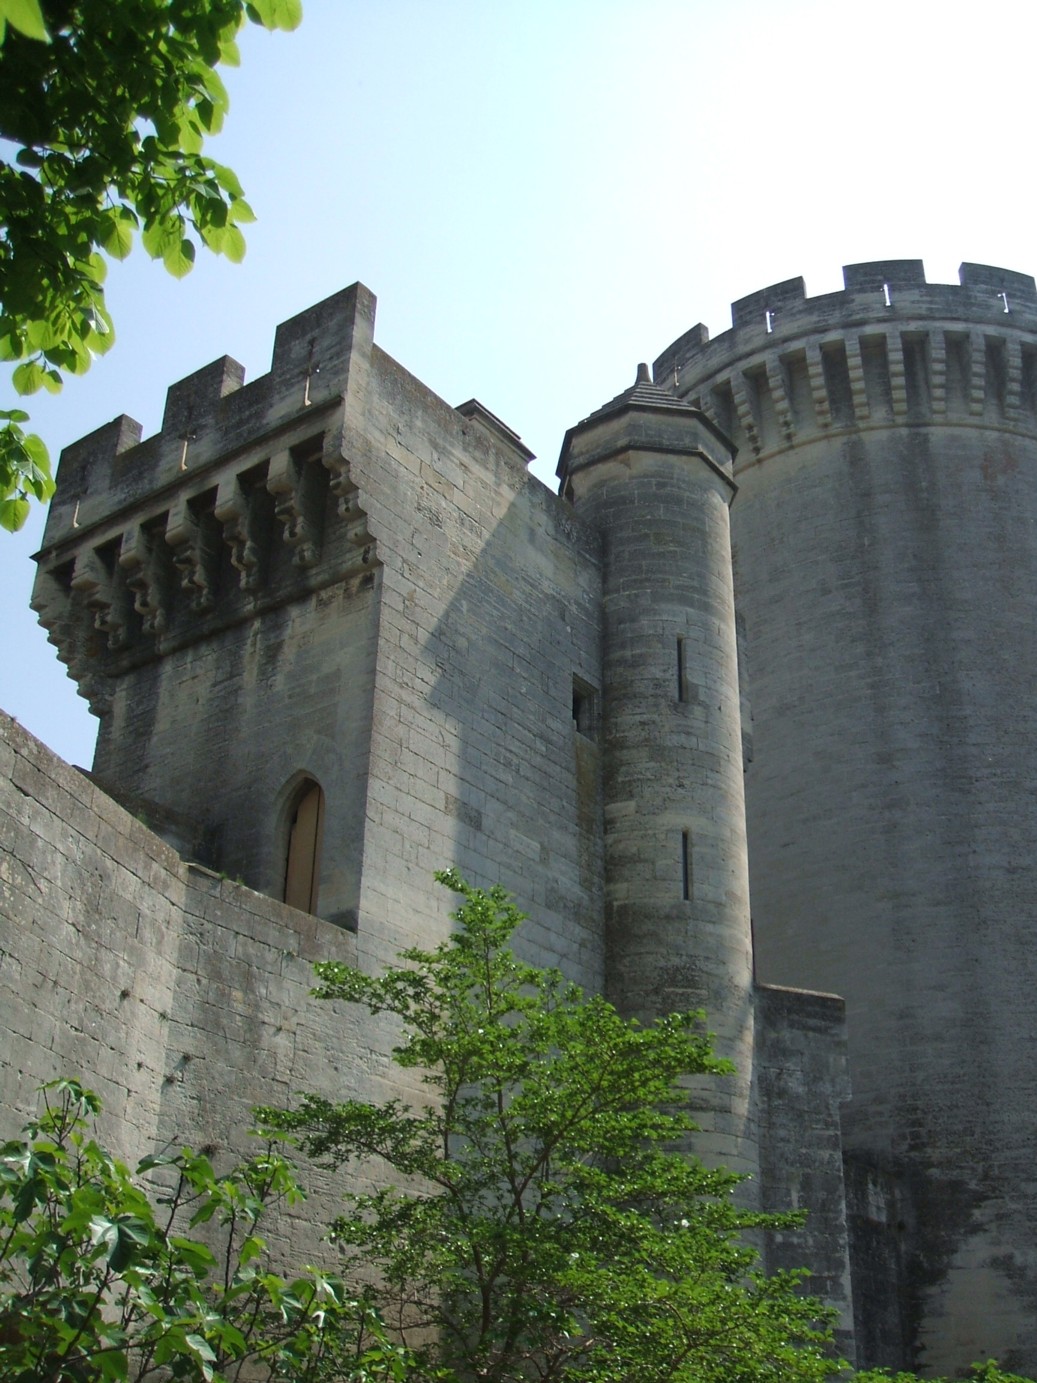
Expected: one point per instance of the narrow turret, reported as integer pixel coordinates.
(654, 476)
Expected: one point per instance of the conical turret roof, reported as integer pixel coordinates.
(643, 393)
(644, 400)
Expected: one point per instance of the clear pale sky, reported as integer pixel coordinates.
(544, 193)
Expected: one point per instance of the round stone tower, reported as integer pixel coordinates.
(885, 539)
(654, 477)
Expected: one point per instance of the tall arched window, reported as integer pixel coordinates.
(302, 868)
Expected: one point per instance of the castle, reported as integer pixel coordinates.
(774, 639)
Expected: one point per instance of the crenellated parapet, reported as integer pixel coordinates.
(244, 500)
(889, 349)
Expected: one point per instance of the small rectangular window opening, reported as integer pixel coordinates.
(686, 866)
(680, 669)
(585, 708)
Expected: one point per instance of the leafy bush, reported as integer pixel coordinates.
(102, 1280)
(542, 1226)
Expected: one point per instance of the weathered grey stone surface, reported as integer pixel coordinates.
(802, 1082)
(181, 997)
(654, 479)
(885, 563)
(330, 574)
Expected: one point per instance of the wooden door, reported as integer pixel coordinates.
(302, 874)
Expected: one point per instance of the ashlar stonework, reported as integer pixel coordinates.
(772, 640)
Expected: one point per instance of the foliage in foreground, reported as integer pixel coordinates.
(105, 107)
(102, 1282)
(543, 1227)
(987, 1372)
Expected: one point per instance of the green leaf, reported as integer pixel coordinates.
(198, 1345)
(227, 179)
(100, 335)
(13, 513)
(251, 1249)
(187, 133)
(104, 1234)
(207, 116)
(179, 258)
(28, 378)
(41, 334)
(198, 1257)
(25, 16)
(12, 345)
(114, 1365)
(231, 1340)
(133, 1235)
(162, 236)
(72, 356)
(117, 238)
(213, 237)
(276, 14)
(218, 101)
(153, 1160)
(233, 244)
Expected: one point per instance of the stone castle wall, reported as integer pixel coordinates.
(180, 997)
(885, 549)
(329, 572)
(183, 999)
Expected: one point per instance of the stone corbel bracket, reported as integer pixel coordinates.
(146, 563)
(194, 540)
(73, 636)
(236, 511)
(104, 595)
(346, 494)
(298, 503)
